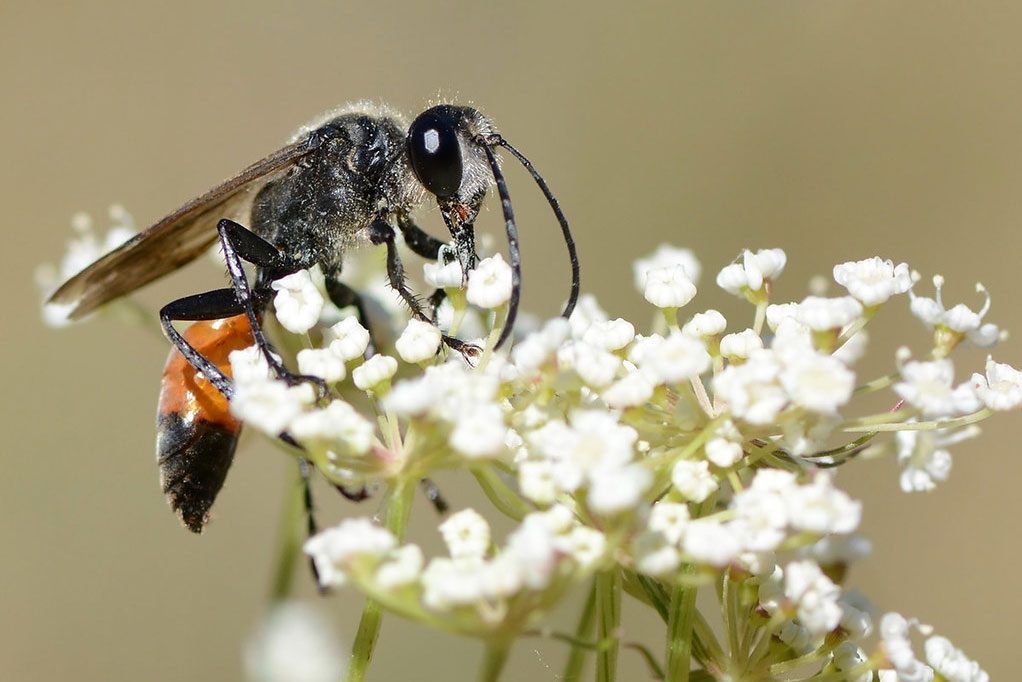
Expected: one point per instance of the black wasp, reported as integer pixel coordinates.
(353, 176)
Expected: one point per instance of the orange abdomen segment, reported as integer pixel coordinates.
(195, 432)
(186, 393)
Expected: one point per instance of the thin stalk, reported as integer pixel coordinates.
(398, 507)
(679, 633)
(925, 426)
(502, 497)
(494, 658)
(289, 537)
(608, 596)
(583, 631)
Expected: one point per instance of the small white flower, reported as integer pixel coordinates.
(597, 367)
(894, 634)
(709, 541)
(538, 347)
(533, 549)
(873, 281)
(609, 335)
(928, 386)
(402, 567)
(374, 371)
(855, 615)
(249, 365)
(612, 491)
(959, 319)
(418, 342)
(447, 583)
(705, 324)
(679, 357)
(480, 432)
(294, 643)
(666, 256)
(466, 534)
(586, 313)
(839, 549)
(693, 479)
(322, 363)
(760, 518)
(819, 383)
(443, 275)
(740, 344)
(270, 406)
(337, 423)
(631, 390)
(332, 549)
(349, 339)
(754, 270)
(822, 314)
(847, 656)
(655, 555)
(536, 481)
(297, 302)
(821, 508)
(924, 457)
(489, 284)
(1001, 388)
(778, 312)
(593, 442)
(951, 662)
(798, 638)
(583, 544)
(669, 287)
(670, 520)
(815, 597)
(752, 390)
(723, 452)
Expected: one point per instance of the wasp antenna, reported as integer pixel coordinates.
(569, 241)
(512, 245)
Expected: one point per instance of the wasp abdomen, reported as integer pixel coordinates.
(195, 432)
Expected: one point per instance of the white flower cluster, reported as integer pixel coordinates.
(683, 449)
(476, 586)
(663, 458)
(82, 250)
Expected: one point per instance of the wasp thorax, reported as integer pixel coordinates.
(435, 151)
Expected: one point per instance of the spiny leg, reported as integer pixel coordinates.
(211, 305)
(240, 244)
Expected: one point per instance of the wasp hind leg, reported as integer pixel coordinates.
(240, 244)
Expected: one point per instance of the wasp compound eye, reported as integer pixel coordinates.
(435, 152)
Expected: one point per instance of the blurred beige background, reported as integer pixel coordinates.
(836, 130)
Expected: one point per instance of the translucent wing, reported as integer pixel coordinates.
(175, 240)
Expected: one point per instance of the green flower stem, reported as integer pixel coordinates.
(878, 383)
(608, 597)
(679, 633)
(397, 507)
(502, 497)
(757, 324)
(494, 658)
(583, 631)
(289, 540)
(926, 426)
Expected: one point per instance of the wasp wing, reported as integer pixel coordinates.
(175, 240)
